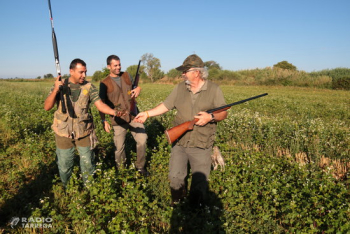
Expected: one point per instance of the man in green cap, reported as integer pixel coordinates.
(191, 98)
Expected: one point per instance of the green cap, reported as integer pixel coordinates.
(191, 61)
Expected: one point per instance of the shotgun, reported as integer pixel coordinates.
(174, 133)
(57, 60)
(133, 108)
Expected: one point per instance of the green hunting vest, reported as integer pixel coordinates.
(81, 126)
(201, 136)
(119, 96)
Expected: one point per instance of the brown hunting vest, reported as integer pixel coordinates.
(81, 126)
(119, 96)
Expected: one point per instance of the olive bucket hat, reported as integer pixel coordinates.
(191, 61)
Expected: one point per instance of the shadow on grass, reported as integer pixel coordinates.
(28, 197)
(188, 217)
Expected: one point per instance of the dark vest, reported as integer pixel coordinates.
(119, 96)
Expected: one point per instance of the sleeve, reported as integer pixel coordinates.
(169, 102)
(103, 92)
(219, 99)
(94, 94)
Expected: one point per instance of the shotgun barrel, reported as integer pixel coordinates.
(133, 104)
(57, 60)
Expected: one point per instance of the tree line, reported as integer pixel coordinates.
(281, 73)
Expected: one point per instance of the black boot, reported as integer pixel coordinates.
(143, 171)
(178, 195)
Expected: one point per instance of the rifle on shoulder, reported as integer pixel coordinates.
(133, 107)
(174, 133)
(57, 60)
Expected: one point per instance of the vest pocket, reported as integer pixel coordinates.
(61, 123)
(85, 123)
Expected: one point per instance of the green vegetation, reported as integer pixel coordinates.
(338, 78)
(287, 167)
(285, 65)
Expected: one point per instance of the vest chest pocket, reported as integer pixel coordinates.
(85, 122)
(84, 101)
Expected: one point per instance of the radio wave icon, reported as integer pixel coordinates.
(14, 221)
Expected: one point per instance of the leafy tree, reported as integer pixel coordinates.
(100, 75)
(39, 77)
(212, 64)
(97, 76)
(158, 74)
(285, 65)
(132, 71)
(173, 73)
(152, 66)
(105, 72)
(214, 74)
(49, 75)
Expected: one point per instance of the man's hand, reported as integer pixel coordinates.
(119, 113)
(51, 99)
(203, 118)
(141, 117)
(58, 83)
(106, 126)
(135, 92)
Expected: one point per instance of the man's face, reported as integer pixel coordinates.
(189, 75)
(114, 67)
(78, 74)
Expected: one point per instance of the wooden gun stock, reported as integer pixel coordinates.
(174, 133)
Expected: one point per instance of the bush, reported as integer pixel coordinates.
(341, 83)
(173, 74)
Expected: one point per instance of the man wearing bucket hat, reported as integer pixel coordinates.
(191, 98)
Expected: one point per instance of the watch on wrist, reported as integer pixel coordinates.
(212, 117)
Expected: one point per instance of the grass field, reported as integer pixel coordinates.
(287, 168)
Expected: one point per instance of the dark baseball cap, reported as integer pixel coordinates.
(191, 61)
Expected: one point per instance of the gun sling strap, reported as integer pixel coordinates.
(66, 92)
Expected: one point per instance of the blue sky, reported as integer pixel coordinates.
(238, 34)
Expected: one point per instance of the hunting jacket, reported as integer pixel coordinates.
(118, 97)
(79, 126)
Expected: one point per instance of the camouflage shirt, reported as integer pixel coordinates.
(75, 92)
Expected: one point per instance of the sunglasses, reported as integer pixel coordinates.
(184, 72)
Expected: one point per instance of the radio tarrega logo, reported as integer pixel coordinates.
(31, 222)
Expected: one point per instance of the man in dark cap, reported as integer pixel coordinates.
(191, 98)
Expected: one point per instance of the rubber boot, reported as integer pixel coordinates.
(178, 195)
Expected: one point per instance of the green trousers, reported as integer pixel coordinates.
(65, 152)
